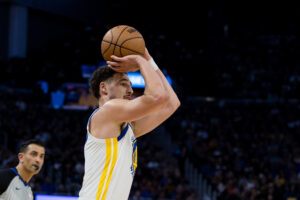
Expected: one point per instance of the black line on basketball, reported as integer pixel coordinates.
(130, 39)
(122, 47)
(112, 37)
(118, 39)
(125, 47)
(136, 52)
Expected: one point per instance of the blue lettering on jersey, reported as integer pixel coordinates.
(134, 156)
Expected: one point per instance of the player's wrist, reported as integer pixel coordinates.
(153, 64)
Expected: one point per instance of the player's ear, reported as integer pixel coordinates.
(20, 156)
(103, 88)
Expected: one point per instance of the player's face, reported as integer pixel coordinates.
(120, 87)
(33, 159)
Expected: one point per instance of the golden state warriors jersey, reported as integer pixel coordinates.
(109, 166)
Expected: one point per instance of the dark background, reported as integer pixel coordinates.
(180, 36)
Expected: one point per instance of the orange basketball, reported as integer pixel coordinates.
(121, 41)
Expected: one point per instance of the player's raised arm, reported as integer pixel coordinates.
(154, 119)
(154, 96)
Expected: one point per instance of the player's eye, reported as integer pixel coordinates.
(33, 153)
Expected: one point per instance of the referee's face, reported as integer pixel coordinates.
(33, 159)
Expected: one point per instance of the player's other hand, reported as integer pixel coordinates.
(125, 64)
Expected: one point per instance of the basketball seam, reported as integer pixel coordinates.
(124, 47)
(112, 37)
(127, 48)
(118, 39)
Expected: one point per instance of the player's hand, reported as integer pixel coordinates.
(147, 56)
(125, 64)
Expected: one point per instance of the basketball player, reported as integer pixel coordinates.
(111, 149)
(14, 181)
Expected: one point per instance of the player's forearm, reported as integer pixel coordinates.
(153, 84)
(173, 99)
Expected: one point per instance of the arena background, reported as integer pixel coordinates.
(234, 67)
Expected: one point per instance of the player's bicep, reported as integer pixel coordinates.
(121, 110)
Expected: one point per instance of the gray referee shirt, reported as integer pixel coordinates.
(12, 186)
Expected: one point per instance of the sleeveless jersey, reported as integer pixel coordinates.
(109, 166)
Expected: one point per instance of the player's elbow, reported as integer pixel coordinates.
(177, 104)
(156, 101)
(161, 99)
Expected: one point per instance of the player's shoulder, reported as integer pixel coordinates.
(113, 106)
(115, 102)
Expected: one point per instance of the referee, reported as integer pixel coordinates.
(14, 181)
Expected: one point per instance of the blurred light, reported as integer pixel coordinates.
(57, 99)
(54, 197)
(137, 79)
(87, 70)
(43, 86)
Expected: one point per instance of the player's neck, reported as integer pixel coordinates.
(102, 101)
(23, 173)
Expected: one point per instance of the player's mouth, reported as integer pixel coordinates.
(36, 167)
(127, 97)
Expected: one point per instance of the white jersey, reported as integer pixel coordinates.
(109, 166)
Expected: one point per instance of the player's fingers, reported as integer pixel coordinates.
(117, 59)
(113, 64)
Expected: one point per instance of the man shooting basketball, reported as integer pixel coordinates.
(111, 150)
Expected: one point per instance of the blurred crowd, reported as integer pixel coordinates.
(245, 150)
(243, 138)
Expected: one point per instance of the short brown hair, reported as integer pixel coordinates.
(24, 145)
(99, 75)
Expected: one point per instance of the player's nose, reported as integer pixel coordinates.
(130, 91)
(38, 160)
